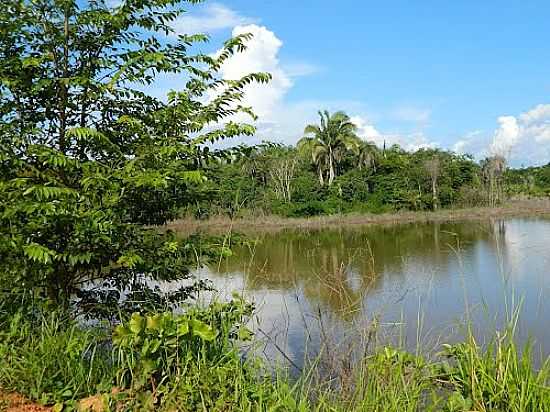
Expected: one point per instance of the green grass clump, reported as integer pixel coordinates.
(499, 378)
(53, 359)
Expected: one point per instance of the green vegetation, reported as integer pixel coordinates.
(332, 171)
(192, 362)
(90, 163)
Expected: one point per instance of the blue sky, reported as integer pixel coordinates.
(471, 76)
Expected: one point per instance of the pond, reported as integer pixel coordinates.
(416, 285)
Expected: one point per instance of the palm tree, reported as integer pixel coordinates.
(328, 142)
(367, 155)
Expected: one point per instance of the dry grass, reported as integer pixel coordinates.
(272, 223)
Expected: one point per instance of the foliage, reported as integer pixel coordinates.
(154, 348)
(191, 361)
(328, 142)
(90, 159)
(366, 179)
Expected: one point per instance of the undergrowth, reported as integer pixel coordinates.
(193, 361)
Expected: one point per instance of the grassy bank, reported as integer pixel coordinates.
(250, 224)
(194, 362)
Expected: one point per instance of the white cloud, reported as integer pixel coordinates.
(536, 123)
(410, 141)
(416, 141)
(367, 131)
(506, 136)
(467, 143)
(213, 17)
(524, 137)
(261, 55)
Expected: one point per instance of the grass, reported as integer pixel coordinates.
(271, 223)
(499, 378)
(53, 359)
(57, 361)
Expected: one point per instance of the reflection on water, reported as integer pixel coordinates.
(419, 281)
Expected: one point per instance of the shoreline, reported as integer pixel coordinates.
(274, 223)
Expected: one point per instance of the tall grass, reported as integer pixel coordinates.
(57, 360)
(52, 358)
(499, 378)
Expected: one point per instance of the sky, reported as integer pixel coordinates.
(468, 76)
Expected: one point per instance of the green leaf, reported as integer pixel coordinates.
(136, 323)
(58, 407)
(120, 334)
(244, 333)
(154, 322)
(183, 327)
(202, 330)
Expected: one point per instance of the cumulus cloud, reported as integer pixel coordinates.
(411, 141)
(367, 131)
(261, 55)
(213, 17)
(536, 123)
(506, 136)
(524, 137)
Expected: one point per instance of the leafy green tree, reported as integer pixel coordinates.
(90, 157)
(328, 142)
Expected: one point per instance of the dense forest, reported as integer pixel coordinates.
(331, 170)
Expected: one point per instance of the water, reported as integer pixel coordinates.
(416, 284)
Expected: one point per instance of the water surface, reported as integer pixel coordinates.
(416, 284)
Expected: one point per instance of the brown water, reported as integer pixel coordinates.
(419, 283)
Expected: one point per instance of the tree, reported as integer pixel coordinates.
(91, 157)
(433, 168)
(328, 142)
(492, 169)
(367, 155)
(282, 169)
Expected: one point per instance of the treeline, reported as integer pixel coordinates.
(331, 170)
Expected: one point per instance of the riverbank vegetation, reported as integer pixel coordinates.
(331, 170)
(194, 362)
(92, 162)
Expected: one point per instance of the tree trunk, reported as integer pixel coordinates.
(434, 194)
(331, 169)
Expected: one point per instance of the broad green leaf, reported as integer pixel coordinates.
(136, 323)
(202, 330)
(154, 322)
(183, 327)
